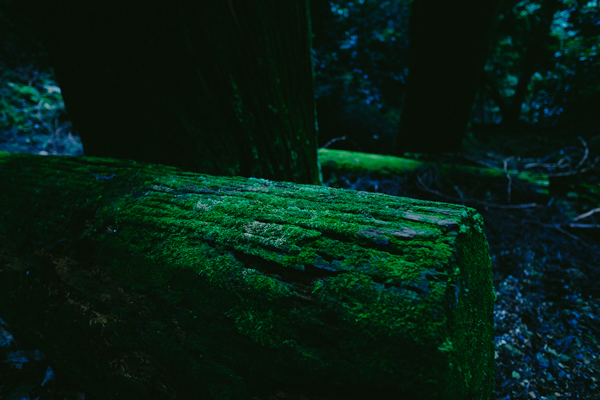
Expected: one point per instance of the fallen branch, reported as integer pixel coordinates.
(473, 201)
(587, 214)
(340, 161)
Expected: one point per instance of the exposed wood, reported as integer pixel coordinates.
(145, 282)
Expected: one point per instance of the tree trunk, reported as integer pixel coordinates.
(448, 48)
(342, 162)
(143, 281)
(513, 114)
(494, 92)
(535, 57)
(221, 87)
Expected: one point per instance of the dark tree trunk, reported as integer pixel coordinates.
(448, 48)
(222, 87)
(494, 93)
(512, 113)
(145, 282)
(534, 58)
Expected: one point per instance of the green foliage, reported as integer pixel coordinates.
(566, 69)
(32, 113)
(360, 49)
(360, 58)
(27, 106)
(359, 53)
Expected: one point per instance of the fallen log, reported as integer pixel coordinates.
(144, 281)
(342, 161)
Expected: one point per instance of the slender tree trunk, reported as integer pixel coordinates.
(535, 55)
(449, 44)
(494, 93)
(218, 86)
(512, 114)
(534, 58)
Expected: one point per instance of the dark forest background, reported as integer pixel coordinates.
(541, 77)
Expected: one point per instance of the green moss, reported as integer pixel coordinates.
(269, 283)
(355, 162)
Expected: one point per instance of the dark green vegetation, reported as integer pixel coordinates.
(33, 117)
(145, 278)
(361, 69)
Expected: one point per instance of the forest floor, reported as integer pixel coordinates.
(544, 247)
(545, 255)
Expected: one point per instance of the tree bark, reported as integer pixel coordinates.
(494, 92)
(448, 48)
(221, 87)
(535, 56)
(143, 281)
(341, 161)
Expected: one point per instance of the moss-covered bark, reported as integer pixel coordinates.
(143, 281)
(341, 161)
(219, 87)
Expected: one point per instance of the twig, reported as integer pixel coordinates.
(506, 206)
(505, 164)
(333, 141)
(480, 162)
(464, 200)
(560, 229)
(584, 226)
(577, 169)
(427, 189)
(460, 194)
(543, 165)
(566, 162)
(585, 154)
(586, 214)
(341, 138)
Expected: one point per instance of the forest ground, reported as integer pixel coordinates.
(544, 248)
(544, 251)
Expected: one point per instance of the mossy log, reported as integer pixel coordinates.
(342, 161)
(146, 282)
